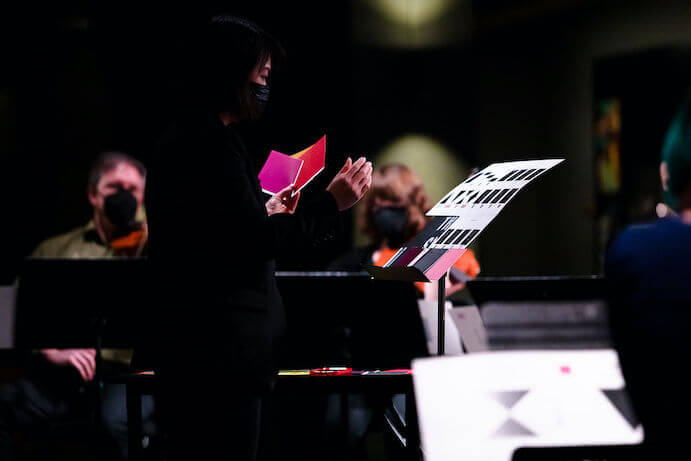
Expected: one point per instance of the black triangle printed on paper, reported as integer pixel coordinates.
(620, 400)
(511, 427)
(509, 398)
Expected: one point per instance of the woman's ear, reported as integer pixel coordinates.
(91, 194)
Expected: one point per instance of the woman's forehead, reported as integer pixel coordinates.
(385, 197)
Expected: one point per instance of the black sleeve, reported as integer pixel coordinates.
(353, 260)
(205, 209)
(314, 224)
(316, 220)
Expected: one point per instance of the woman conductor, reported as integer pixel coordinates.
(219, 313)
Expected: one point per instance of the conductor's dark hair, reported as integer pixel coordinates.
(228, 50)
(108, 161)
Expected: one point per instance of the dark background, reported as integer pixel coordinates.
(500, 80)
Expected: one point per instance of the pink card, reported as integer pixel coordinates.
(279, 172)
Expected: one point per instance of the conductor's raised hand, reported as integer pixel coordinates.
(351, 183)
(283, 201)
(83, 360)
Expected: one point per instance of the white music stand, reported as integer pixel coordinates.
(485, 406)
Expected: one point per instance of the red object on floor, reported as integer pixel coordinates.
(331, 371)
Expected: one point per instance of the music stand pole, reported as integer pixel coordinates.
(441, 312)
(99, 323)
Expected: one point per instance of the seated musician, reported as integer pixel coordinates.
(59, 382)
(390, 215)
(648, 268)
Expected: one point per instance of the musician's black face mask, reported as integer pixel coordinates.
(390, 223)
(260, 94)
(120, 208)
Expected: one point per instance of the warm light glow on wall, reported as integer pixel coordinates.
(436, 165)
(439, 168)
(412, 12)
(411, 23)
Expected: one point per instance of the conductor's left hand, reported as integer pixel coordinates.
(351, 183)
(283, 201)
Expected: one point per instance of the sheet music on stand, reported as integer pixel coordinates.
(457, 220)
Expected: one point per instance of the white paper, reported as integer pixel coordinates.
(479, 199)
(470, 327)
(484, 406)
(460, 217)
(430, 321)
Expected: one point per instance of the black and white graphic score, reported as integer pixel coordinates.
(492, 187)
(461, 215)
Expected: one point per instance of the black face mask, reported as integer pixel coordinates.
(120, 209)
(390, 222)
(260, 93)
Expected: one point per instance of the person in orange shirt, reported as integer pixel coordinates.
(391, 214)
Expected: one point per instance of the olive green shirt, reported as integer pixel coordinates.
(82, 243)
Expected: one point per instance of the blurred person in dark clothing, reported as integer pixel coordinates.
(219, 314)
(649, 273)
(57, 387)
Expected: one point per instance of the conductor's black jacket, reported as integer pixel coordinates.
(212, 252)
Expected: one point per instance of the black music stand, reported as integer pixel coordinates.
(354, 320)
(411, 274)
(545, 288)
(554, 312)
(80, 303)
(456, 221)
